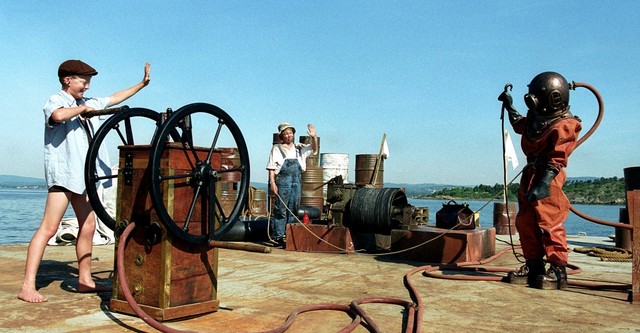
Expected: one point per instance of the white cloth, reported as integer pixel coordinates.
(299, 152)
(66, 143)
(510, 151)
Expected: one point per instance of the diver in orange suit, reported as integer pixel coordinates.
(549, 135)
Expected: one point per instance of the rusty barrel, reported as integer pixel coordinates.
(312, 180)
(504, 224)
(276, 138)
(631, 183)
(228, 196)
(623, 236)
(230, 158)
(312, 159)
(366, 166)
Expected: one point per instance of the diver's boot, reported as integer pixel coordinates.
(554, 278)
(527, 273)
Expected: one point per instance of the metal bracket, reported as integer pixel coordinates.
(127, 172)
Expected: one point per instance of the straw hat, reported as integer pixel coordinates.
(284, 126)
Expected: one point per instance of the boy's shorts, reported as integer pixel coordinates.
(58, 188)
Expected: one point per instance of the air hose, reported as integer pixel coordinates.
(354, 310)
(583, 139)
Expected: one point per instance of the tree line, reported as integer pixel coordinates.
(602, 191)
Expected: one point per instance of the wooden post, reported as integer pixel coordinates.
(634, 219)
(374, 177)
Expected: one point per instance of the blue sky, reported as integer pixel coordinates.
(426, 73)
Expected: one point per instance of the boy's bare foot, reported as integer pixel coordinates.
(31, 296)
(96, 288)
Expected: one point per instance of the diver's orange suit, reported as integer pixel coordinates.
(540, 223)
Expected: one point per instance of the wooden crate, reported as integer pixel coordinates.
(172, 278)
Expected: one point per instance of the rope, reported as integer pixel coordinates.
(613, 254)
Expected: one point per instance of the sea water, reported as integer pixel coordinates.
(21, 212)
(574, 224)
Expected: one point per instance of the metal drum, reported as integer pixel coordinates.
(228, 196)
(365, 166)
(276, 138)
(631, 184)
(314, 157)
(373, 210)
(312, 180)
(230, 159)
(504, 224)
(258, 204)
(334, 165)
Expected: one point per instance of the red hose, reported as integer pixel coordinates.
(354, 310)
(122, 277)
(583, 139)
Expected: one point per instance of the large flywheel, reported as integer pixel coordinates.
(115, 131)
(205, 131)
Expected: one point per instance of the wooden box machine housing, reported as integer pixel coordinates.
(168, 277)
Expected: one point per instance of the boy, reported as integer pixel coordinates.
(67, 136)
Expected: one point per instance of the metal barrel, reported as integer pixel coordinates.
(312, 180)
(504, 224)
(312, 159)
(230, 158)
(276, 138)
(631, 184)
(372, 209)
(228, 196)
(365, 166)
(623, 235)
(333, 165)
(258, 204)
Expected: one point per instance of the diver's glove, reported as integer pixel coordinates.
(541, 189)
(507, 104)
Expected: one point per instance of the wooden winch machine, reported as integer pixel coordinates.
(170, 188)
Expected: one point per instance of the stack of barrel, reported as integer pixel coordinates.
(229, 180)
(312, 178)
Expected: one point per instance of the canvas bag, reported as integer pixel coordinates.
(456, 216)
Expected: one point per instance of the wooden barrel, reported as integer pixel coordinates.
(365, 166)
(501, 220)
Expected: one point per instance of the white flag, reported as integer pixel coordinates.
(510, 151)
(385, 148)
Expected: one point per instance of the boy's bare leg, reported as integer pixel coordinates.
(55, 207)
(84, 243)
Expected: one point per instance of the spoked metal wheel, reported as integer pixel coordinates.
(115, 131)
(200, 183)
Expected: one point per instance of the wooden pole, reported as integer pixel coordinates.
(634, 219)
(374, 177)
